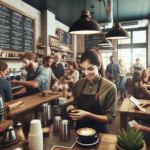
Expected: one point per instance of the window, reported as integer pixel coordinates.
(139, 36)
(136, 47)
(125, 55)
(106, 57)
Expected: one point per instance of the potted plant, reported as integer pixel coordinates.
(130, 140)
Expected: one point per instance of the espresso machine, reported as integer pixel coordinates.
(15, 75)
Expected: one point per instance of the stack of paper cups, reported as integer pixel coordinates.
(35, 136)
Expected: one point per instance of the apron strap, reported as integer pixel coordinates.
(82, 89)
(99, 85)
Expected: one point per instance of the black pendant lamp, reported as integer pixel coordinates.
(108, 45)
(85, 25)
(113, 49)
(117, 32)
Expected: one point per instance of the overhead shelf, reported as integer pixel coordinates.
(10, 57)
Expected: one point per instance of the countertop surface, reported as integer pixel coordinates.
(31, 101)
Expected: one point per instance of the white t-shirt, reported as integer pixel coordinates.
(51, 77)
(74, 76)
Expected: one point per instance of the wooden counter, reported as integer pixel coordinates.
(31, 102)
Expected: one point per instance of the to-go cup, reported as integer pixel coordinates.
(35, 127)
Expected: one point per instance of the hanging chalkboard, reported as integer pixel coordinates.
(16, 30)
(66, 38)
(93, 41)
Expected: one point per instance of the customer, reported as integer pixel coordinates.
(73, 73)
(113, 71)
(122, 79)
(58, 68)
(145, 129)
(47, 62)
(37, 76)
(137, 68)
(94, 96)
(5, 88)
(145, 78)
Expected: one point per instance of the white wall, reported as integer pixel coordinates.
(20, 5)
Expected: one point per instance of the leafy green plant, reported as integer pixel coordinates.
(130, 140)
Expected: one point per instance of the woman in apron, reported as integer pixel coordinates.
(137, 68)
(94, 96)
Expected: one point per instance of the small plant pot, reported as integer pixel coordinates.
(119, 148)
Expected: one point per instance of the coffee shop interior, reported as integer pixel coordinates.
(74, 74)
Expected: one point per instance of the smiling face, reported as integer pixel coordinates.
(27, 64)
(90, 70)
(145, 74)
(70, 66)
(57, 59)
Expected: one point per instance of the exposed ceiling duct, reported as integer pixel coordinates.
(108, 4)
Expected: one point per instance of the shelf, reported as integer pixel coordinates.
(61, 50)
(79, 56)
(40, 46)
(65, 55)
(65, 60)
(41, 53)
(57, 38)
(10, 57)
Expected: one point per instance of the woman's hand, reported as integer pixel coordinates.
(135, 127)
(78, 114)
(144, 104)
(69, 108)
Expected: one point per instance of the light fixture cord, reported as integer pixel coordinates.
(117, 10)
(84, 3)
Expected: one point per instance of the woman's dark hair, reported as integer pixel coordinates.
(74, 64)
(3, 65)
(92, 55)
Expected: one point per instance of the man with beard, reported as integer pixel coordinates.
(47, 62)
(37, 77)
(57, 67)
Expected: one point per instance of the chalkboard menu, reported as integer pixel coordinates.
(16, 31)
(66, 38)
(93, 40)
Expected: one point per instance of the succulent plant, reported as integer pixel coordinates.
(130, 140)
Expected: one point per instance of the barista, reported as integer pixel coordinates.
(37, 77)
(94, 96)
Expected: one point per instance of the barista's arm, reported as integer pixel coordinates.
(29, 84)
(21, 92)
(60, 78)
(117, 78)
(107, 75)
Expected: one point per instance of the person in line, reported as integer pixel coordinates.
(145, 129)
(74, 73)
(5, 87)
(137, 68)
(145, 78)
(47, 62)
(94, 96)
(122, 79)
(37, 77)
(113, 72)
(58, 68)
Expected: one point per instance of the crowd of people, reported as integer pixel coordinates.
(98, 89)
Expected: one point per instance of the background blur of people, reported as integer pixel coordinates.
(5, 88)
(57, 67)
(137, 68)
(113, 71)
(73, 71)
(47, 62)
(122, 79)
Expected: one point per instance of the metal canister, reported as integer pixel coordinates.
(56, 127)
(64, 131)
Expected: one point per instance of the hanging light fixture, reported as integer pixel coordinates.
(104, 41)
(107, 45)
(85, 25)
(117, 32)
(113, 49)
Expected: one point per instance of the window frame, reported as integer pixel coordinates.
(135, 45)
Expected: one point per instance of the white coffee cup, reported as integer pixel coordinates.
(35, 127)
